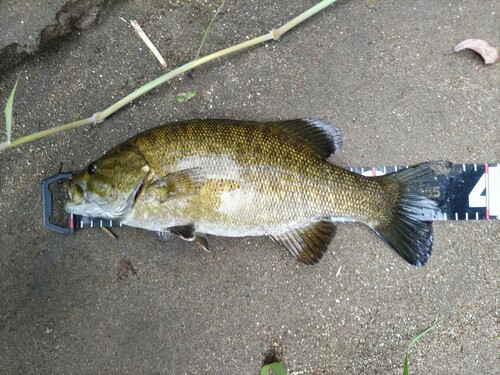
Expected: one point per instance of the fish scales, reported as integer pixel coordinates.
(244, 178)
(280, 182)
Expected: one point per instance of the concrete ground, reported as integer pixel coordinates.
(384, 71)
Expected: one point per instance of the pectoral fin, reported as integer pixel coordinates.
(185, 182)
(187, 232)
(308, 244)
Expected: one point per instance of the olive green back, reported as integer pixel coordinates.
(274, 178)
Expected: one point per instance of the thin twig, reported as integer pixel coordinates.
(109, 232)
(148, 42)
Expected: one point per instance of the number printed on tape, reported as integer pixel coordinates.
(472, 192)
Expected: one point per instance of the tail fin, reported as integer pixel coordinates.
(416, 193)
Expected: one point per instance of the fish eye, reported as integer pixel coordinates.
(92, 169)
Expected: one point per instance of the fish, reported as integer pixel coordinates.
(239, 178)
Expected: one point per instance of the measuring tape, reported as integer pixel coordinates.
(469, 192)
(472, 192)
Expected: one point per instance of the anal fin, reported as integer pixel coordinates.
(309, 243)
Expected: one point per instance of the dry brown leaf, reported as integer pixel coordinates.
(487, 52)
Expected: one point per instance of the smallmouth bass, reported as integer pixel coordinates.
(243, 178)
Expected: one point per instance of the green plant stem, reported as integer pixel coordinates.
(301, 18)
(101, 116)
(207, 30)
(174, 73)
(406, 370)
(8, 111)
(45, 133)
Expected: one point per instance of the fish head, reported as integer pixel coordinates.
(108, 187)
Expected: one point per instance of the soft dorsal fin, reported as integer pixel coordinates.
(308, 244)
(321, 136)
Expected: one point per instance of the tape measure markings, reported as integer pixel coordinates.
(469, 192)
(473, 192)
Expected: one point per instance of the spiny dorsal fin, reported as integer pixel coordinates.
(321, 136)
(308, 244)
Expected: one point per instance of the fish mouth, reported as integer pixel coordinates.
(82, 202)
(75, 192)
